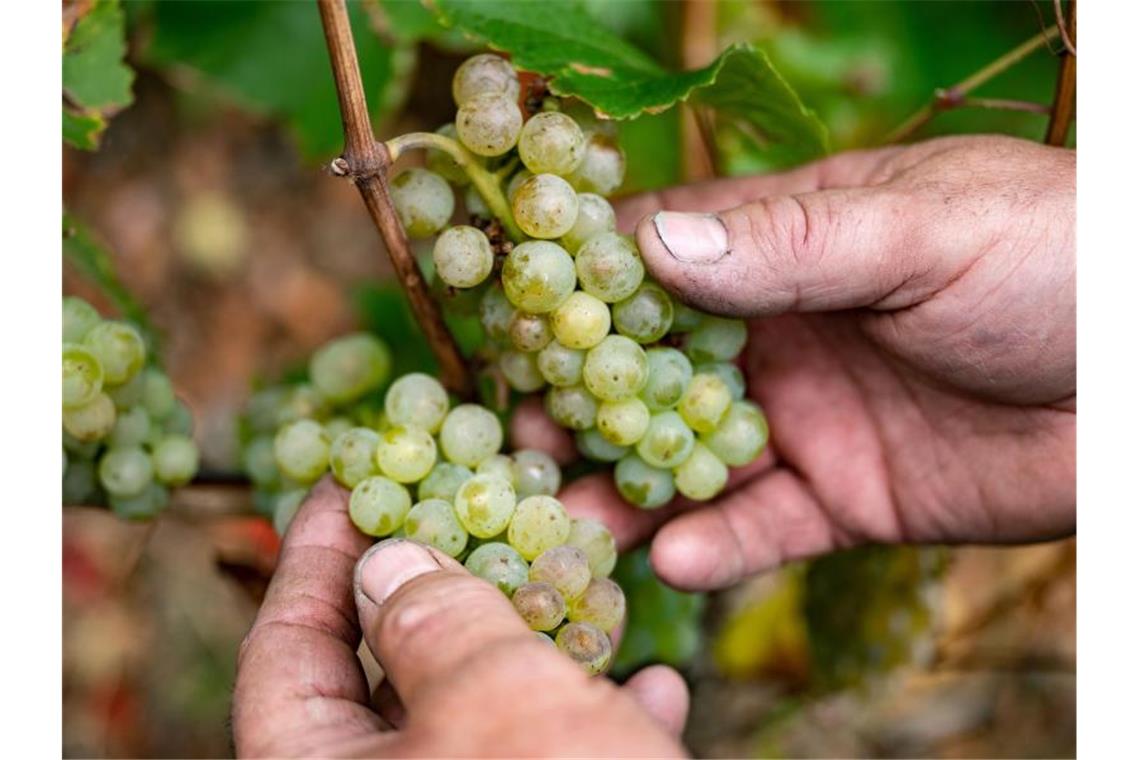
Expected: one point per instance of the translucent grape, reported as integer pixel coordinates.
(442, 163)
(345, 369)
(141, 506)
(125, 471)
(516, 181)
(258, 462)
(545, 206)
(560, 364)
(463, 256)
(602, 169)
(175, 460)
(499, 564)
(495, 313)
(729, 373)
(302, 450)
(598, 543)
(536, 473)
(285, 508)
(740, 436)
(564, 567)
(552, 142)
(701, 476)
(615, 369)
(572, 407)
(529, 332)
(539, 605)
(667, 442)
(489, 124)
(592, 445)
(538, 276)
(78, 319)
(595, 216)
(582, 321)
(180, 420)
(588, 119)
(423, 200)
(485, 505)
(624, 422)
(642, 485)
(378, 505)
(474, 204)
(609, 267)
(352, 455)
(704, 402)
(685, 318)
(157, 394)
(128, 394)
(646, 315)
(80, 482)
(338, 425)
(301, 402)
(443, 481)
(716, 339)
(484, 74)
(433, 522)
(669, 374)
(499, 465)
(91, 421)
(119, 349)
(586, 645)
(539, 523)
(521, 371)
(417, 399)
(602, 604)
(262, 408)
(406, 454)
(132, 428)
(82, 376)
(470, 434)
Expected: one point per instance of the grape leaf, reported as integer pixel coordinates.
(96, 82)
(82, 130)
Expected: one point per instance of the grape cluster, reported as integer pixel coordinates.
(645, 381)
(126, 437)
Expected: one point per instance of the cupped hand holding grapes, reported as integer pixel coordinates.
(912, 342)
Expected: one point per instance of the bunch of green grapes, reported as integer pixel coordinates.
(126, 438)
(645, 381)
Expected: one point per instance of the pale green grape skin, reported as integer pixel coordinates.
(132, 428)
(521, 371)
(495, 314)
(80, 449)
(157, 394)
(180, 420)
(601, 604)
(572, 407)
(581, 322)
(82, 376)
(598, 543)
(338, 425)
(91, 421)
(470, 434)
(587, 645)
(406, 453)
(667, 442)
(538, 276)
(417, 399)
(539, 605)
(539, 523)
(645, 316)
(474, 204)
(443, 481)
(704, 402)
(119, 349)
(602, 169)
(740, 437)
(141, 506)
(423, 200)
(498, 564)
(716, 339)
(302, 450)
(300, 402)
(669, 375)
(536, 473)
(489, 125)
(642, 485)
(729, 373)
(442, 163)
(285, 508)
(609, 267)
(462, 256)
(175, 460)
(552, 142)
(484, 74)
(499, 465)
(125, 471)
(433, 522)
(128, 394)
(615, 369)
(561, 365)
(378, 505)
(593, 445)
(529, 332)
(595, 216)
(485, 505)
(345, 369)
(515, 182)
(78, 319)
(685, 318)
(564, 567)
(259, 463)
(261, 410)
(624, 422)
(702, 476)
(352, 455)
(80, 482)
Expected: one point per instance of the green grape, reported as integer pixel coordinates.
(78, 319)
(126, 471)
(119, 349)
(598, 543)
(592, 445)
(474, 204)
(515, 182)
(443, 481)
(564, 567)
(501, 466)
(729, 373)
(529, 332)
(345, 369)
(175, 460)
(484, 74)
(130, 393)
(91, 421)
(572, 407)
(646, 315)
(581, 322)
(551, 142)
(538, 276)
(485, 505)
(609, 267)
(442, 163)
(262, 408)
(433, 522)
(588, 119)
(701, 476)
(560, 364)
(337, 425)
(259, 463)
(498, 564)
(521, 371)
(378, 505)
(740, 436)
(463, 256)
(536, 473)
(157, 394)
(423, 200)
(302, 450)
(602, 604)
(141, 506)
(667, 442)
(180, 420)
(80, 449)
(602, 169)
(669, 374)
(80, 482)
(300, 402)
(586, 645)
(417, 399)
(132, 428)
(624, 422)
(470, 434)
(406, 454)
(82, 376)
(539, 605)
(642, 485)
(615, 369)
(352, 455)
(539, 523)
(704, 402)
(685, 318)
(285, 508)
(595, 216)
(489, 124)
(716, 339)
(495, 313)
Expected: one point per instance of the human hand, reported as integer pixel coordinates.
(464, 675)
(912, 342)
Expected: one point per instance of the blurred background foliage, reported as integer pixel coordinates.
(196, 136)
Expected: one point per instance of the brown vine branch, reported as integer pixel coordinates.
(366, 161)
(1065, 97)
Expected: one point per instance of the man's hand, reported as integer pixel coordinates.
(912, 343)
(464, 675)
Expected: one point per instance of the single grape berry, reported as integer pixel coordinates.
(609, 267)
(642, 485)
(565, 567)
(536, 473)
(423, 200)
(443, 481)
(175, 460)
(462, 256)
(705, 402)
(482, 75)
(345, 369)
(406, 453)
(538, 276)
(740, 436)
(669, 374)
(552, 142)
(581, 322)
(378, 505)
(667, 442)
(302, 450)
(602, 604)
(572, 407)
(595, 216)
(521, 371)
(540, 605)
(701, 476)
(602, 169)
(615, 369)
(499, 564)
(417, 399)
(587, 645)
(489, 124)
(119, 349)
(470, 434)
(485, 505)
(539, 523)
(646, 315)
(126, 471)
(560, 364)
(593, 445)
(598, 543)
(82, 376)
(435, 523)
(78, 319)
(624, 422)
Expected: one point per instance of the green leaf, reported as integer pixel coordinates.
(96, 82)
(82, 130)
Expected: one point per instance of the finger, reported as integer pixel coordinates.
(387, 703)
(662, 692)
(299, 684)
(532, 428)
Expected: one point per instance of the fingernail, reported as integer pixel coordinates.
(389, 565)
(692, 238)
